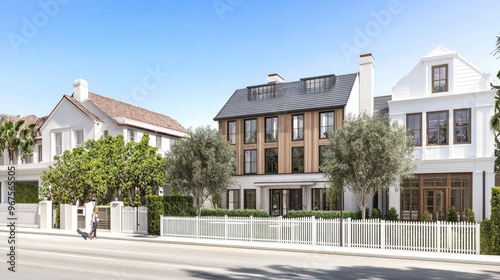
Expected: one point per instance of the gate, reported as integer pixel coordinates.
(135, 219)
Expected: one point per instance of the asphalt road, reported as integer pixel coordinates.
(61, 257)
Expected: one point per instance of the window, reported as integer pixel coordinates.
(158, 142)
(250, 161)
(40, 153)
(233, 199)
(326, 124)
(58, 143)
(231, 132)
(250, 199)
(297, 127)
(414, 125)
(461, 187)
(462, 123)
(322, 153)
(298, 159)
(78, 138)
(251, 131)
(271, 129)
(410, 199)
(440, 78)
(321, 201)
(261, 92)
(272, 160)
(318, 84)
(131, 135)
(437, 128)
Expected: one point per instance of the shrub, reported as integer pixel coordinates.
(393, 215)
(58, 216)
(234, 213)
(469, 216)
(324, 214)
(452, 215)
(426, 217)
(490, 235)
(375, 213)
(155, 210)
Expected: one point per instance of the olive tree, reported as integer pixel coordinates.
(368, 153)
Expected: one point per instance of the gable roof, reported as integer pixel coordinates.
(289, 98)
(119, 111)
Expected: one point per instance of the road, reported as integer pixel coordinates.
(65, 257)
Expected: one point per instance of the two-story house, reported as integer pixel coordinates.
(446, 103)
(280, 131)
(86, 115)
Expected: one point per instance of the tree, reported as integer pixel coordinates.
(16, 136)
(201, 165)
(495, 119)
(103, 169)
(368, 153)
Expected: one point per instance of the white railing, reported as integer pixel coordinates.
(25, 214)
(419, 236)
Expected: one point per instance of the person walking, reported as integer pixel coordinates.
(94, 220)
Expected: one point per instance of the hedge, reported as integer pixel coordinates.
(155, 210)
(324, 214)
(26, 193)
(234, 213)
(179, 206)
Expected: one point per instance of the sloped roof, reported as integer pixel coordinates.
(117, 110)
(28, 119)
(82, 108)
(381, 105)
(289, 98)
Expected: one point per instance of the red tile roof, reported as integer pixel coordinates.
(117, 109)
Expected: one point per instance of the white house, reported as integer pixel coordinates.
(86, 115)
(446, 103)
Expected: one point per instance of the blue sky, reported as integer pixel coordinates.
(185, 59)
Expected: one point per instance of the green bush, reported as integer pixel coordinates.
(26, 193)
(234, 213)
(324, 214)
(375, 213)
(426, 217)
(179, 206)
(155, 210)
(469, 216)
(452, 215)
(393, 215)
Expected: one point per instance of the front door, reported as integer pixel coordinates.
(435, 204)
(283, 201)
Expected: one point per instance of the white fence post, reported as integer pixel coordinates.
(225, 227)
(438, 236)
(478, 238)
(314, 230)
(116, 216)
(251, 228)
(197, 227)
(348, 226)
(382, 234)
(161, 225)
(46, 214)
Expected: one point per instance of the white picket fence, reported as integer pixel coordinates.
(419, 236)
(25, 214)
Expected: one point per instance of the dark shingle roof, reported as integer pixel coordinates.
(380, 104)
(289, 98)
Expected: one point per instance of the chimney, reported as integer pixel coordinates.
(275, 78)
(80, 90)
(366, 83)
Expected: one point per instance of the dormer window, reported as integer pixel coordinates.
(261, 92)
(440, 78)
(318, 84)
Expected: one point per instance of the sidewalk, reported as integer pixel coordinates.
(379, 253)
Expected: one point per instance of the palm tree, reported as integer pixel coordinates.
(27, 141)
(14, 135)
(495, 119)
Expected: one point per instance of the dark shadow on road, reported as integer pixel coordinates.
(84, 235)
(342, 272)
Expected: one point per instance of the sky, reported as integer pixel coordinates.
(185, 59)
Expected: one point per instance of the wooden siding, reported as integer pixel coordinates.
(311, 142)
